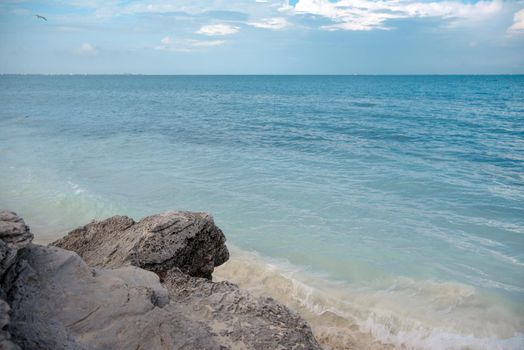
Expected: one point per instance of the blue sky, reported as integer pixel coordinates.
(262, 37)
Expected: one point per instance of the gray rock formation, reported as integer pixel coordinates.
(186, 240)
(14, 236)
(13, 230)
(58, 301)
(236, 317)
(5, 337)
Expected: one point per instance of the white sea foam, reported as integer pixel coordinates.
(399, 312)
(77, 188)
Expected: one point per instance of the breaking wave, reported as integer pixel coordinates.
(399, 312)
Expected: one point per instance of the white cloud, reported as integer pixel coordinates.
(518, 22)
(206, 43)
(218, 29)
(86, 49)
(368, 15)
(270, 23)
(159, 7)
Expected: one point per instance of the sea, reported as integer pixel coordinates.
(386, 210)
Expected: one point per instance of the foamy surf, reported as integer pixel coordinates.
(401, 313)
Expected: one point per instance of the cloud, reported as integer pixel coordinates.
(194, 7)
(369, 15)
(218, 29)
(169, 44)
(518, 22)
(206, 43)
(86, 49)
(157, 7)
(270, 23)
(186, 45)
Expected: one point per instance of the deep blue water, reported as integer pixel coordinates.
(413, 184)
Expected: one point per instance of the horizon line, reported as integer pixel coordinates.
(263, 74)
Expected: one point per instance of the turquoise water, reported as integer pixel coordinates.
(406, 193)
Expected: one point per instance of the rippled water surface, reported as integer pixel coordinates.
(387, 210)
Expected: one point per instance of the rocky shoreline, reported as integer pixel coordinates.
(121, 284)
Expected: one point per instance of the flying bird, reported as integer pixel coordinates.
(41, 17)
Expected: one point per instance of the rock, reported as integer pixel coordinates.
(236, 315)
(58, 301)
(185, 240)
(7, 258)
(31, 326)
(61, 303)
(5, 336)
(13, 230)
(14, 235)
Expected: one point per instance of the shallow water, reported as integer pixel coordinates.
(384, 209)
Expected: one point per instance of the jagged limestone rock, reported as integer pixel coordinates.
(14, 235)
(13, 230)
(58, 301)
(186, 240)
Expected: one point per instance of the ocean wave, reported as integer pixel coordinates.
(398, 312)
(50, 206)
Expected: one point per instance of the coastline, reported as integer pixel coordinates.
(121, 284)
(388, 315)
(380, 316)
(385, 315)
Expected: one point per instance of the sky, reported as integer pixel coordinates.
(262, 37)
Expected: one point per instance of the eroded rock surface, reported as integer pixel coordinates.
(186, 240)
(13, 230)
(61, 303)
(14, 236)
(237, 317)
(110, 300)
(5, 337)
